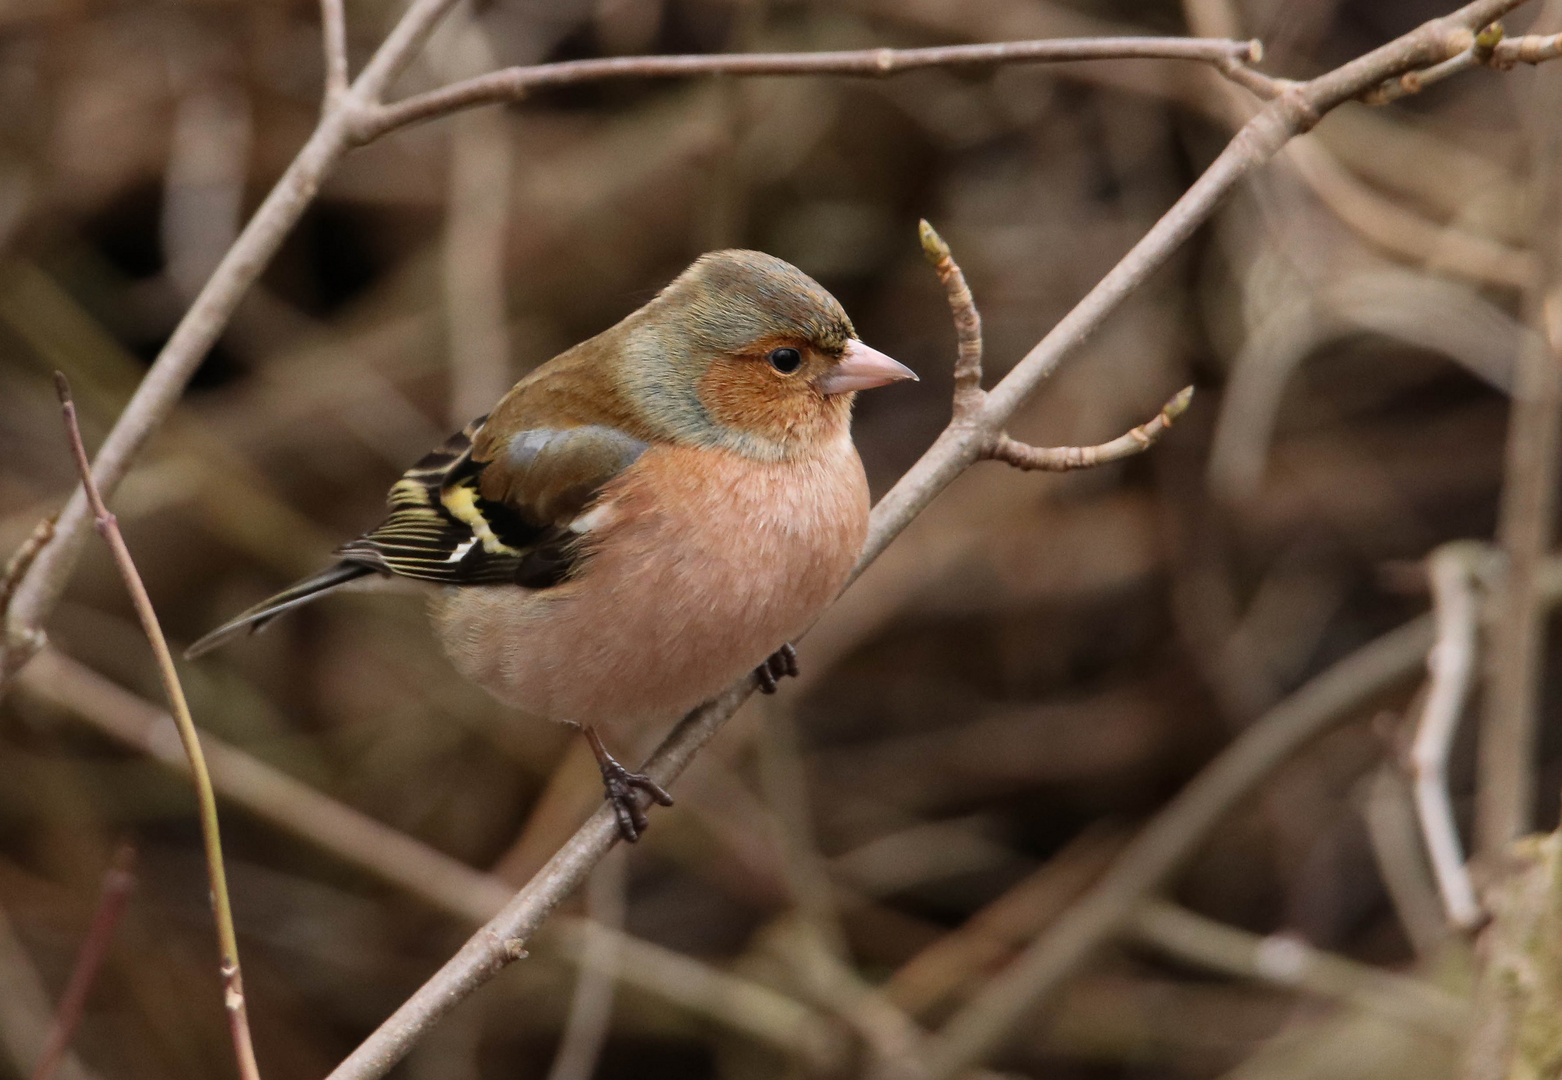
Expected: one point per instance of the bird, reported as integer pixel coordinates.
(644, 518)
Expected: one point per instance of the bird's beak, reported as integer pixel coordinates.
(862, 368)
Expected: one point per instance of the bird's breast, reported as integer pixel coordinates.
(702, 563)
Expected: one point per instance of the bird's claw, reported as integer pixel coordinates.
(777, 666)
(622, 789)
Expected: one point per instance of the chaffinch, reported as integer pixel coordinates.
(646, 516)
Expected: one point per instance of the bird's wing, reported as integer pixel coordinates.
(489, 509)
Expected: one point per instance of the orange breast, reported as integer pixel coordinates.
(706, 562)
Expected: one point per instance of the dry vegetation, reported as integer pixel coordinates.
(975, 804)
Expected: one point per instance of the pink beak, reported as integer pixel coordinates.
(862, 368)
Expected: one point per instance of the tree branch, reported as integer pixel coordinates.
(513, 84)
(333, 34)
(1063, 458)
(227, 940)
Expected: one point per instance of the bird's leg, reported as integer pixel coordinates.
(621, 787)
(777, 666)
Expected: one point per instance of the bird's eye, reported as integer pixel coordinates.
(785, 360)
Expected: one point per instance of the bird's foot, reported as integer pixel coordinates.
(622, 789)
(777, 666)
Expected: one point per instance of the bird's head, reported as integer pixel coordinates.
(747, 351)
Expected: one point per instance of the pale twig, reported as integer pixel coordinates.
(1063, 458)
(1389, 813)
(513, 84)
(1451, 666)
(591, 1007)
(437, 879)
(333, 36)
(118, 882)
(1490, 48)
(1506, 749)
(1168, 840)
(1293, 964)
(969, 395)
(985, 1024)
(227, 940)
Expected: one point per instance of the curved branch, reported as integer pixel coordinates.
(513, 84)
(1063, 458)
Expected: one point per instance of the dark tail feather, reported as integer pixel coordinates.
(286, 600)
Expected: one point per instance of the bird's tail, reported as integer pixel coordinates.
(293, 596)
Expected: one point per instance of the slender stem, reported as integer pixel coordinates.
(1505, 763)
(118, 883)
(1451, 666)
(515, 83)
(333, 35)
(227, 940)
(1063, 458)
(1291, 962)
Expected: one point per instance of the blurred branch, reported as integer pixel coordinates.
(1171, 837)
(1451, 663)
(1388, 807)
(228, 943)
(980, 1028)
(118, 883)
(24, 1011)
(513, 84)
(444, 883)
(1292, 963)
(333, 34)
(1506, 750)
(1519, 995)
(591, 1007)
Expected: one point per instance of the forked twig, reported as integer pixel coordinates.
(1451, 670)
(227, 941)
(118, 883)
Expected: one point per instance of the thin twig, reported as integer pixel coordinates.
(513, 84)
(227, 940)
(969, 394)
(118, 883)
(591, 1007)
(1292, 963)
(24, 1010)
(1063, 458)
(333, 35)
(1451, 666)
(1506, 749)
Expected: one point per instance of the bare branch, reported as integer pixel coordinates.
(118, 883)
(1063, 458)
(227, 940)
(1526, 527)
(1293, 964)
(968, 324)
(513, 84)
(333, 33)
(1451, 664)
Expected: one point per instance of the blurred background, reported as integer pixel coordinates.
(1032, 669)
